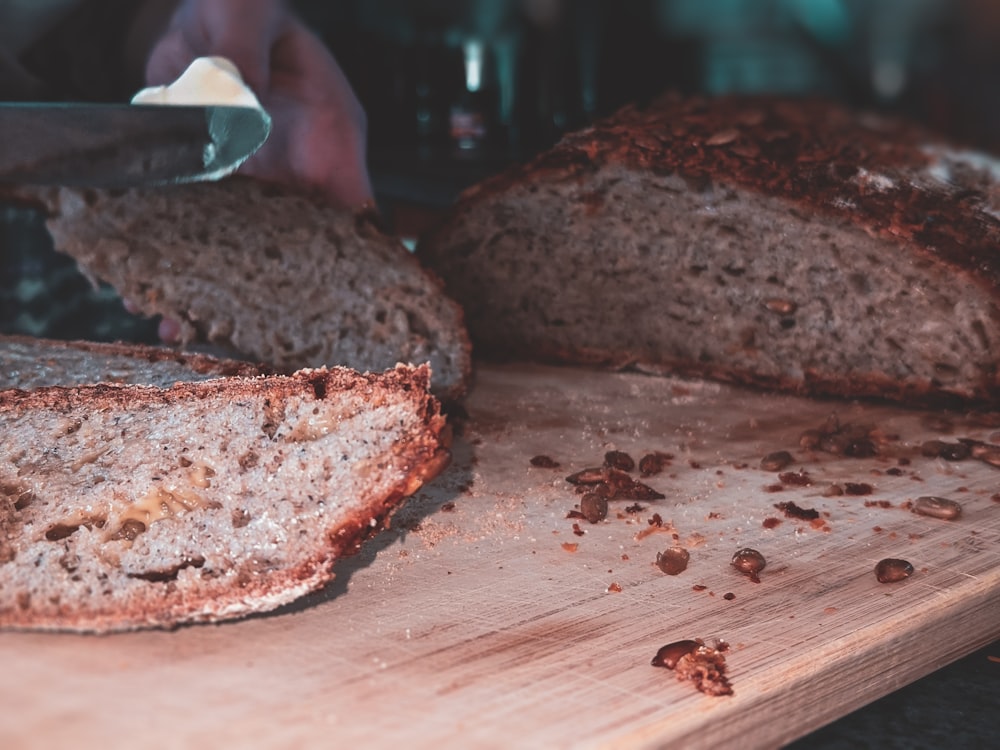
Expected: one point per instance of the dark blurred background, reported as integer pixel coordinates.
(454, 89)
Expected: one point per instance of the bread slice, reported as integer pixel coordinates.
(128, 506)
(783, 243)
(273, 274)
(33, 363)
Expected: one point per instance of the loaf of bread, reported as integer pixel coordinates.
(131, 506)
(272, 274)
(789, 244)
(33, 363)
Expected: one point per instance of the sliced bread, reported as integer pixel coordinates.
(783, 243)
(28, 363)
(271, 273)
(128, 506)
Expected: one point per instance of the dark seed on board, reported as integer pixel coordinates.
(858, 489)
(931, 448)
(862, 448)
(749, 562)
(668, 655)
(791, 510)
(587, 476)
(624, 487)
(673, 561)
(987, 453)
(619, 460)
(947, 451)
(836, 444)
(653, 463)
(937, 507)
(810, 439)
(776, 461)
(594, 507)
(797, 478)
(955, 451)
(893, 570)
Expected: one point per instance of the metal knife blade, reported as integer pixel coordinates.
(125, 145)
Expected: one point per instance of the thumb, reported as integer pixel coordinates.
(250, 56)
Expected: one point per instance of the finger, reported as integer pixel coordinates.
(243, 31)
(169, 331)
(322, 122)
(307, 67)
(321, 153)
(168, 60)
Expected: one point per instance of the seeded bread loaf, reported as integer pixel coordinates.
(783, 243)
(127, 506)
(273, 274)
(28, 363)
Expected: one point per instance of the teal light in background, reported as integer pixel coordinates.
(829, 21)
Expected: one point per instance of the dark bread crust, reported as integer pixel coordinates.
(814, 162)
(418, 453)
(114, 395)
(807, 151)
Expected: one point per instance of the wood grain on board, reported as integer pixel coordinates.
(475, 621)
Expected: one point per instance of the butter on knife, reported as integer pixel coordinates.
(207, 82)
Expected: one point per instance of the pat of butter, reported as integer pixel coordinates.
(207, 81)
(215, 82)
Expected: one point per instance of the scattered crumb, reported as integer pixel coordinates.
(544, 462)
(697, 663)
(695, 540)
(570, 546)
(858, 488)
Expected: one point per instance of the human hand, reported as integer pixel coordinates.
(318, 125)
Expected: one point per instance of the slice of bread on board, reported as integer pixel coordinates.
(271, 273)
(127, 506)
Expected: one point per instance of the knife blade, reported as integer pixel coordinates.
(125, 145)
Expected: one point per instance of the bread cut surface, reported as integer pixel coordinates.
(274, 274)
(127, 506)
(782, 243)
(27, 363)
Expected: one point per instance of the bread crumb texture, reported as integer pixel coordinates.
(274, 274)
(125, 506)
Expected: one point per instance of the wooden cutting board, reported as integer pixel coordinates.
(473, 624)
